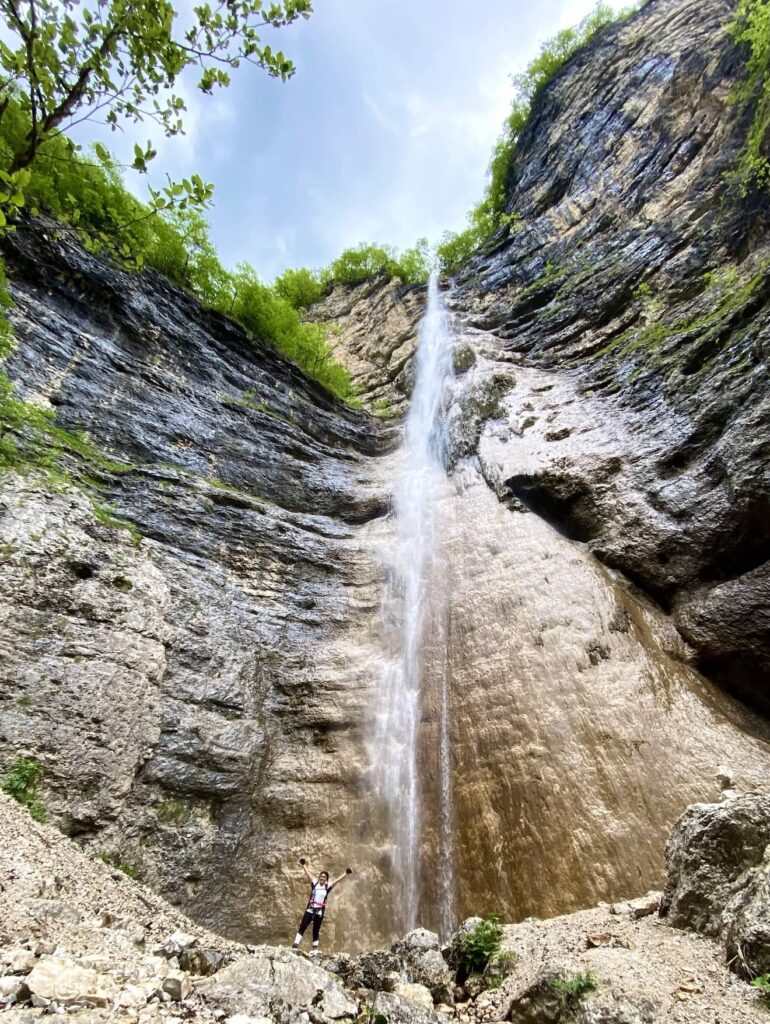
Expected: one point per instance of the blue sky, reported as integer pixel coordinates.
(384, 134)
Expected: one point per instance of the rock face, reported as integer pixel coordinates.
(191, 637)
(375, 324)
(82, 938)
(634, 271)
(193, 686)
(718, 861)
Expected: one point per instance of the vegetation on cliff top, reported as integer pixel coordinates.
(490, 213)
(63, 65)
(89, 194)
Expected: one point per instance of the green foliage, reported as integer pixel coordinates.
(498, 967)
(114, 862)
(22, 783)
(66, 64)
(90, 195)
(301, 288)
(762, 982)
(750, 29)
(172, 811)
(573, 988)
(478, 945)
(363, 262)
(490, 215)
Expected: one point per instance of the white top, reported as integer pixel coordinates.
(319, 895)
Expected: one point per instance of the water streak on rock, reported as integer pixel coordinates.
(395, 752)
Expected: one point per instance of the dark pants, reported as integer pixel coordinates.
(317, 918)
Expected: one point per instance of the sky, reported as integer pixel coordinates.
(383, 135)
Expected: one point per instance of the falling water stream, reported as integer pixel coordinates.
(406, 600)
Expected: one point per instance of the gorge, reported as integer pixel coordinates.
(487, 649)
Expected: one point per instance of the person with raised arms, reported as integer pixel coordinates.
(320, 888)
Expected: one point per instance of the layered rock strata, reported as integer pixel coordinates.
(191, 635)
(82, 940)
(187, 634)
(630, 266)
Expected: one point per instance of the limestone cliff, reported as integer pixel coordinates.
(633, 271)
(194, 686)
(199, 687)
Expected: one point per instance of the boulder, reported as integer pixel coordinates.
(13, 989)
(198, 960)
(746, 923)
(416, 941)
(418, 994)
(175, 945)
(541, 1002)
(710, 856)
(250, 985)
(398, 1010)
(428, 968)
(64, 981)
(177, 986)
(367, 970)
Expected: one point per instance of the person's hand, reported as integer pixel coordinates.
(302, 861)
(348, 871)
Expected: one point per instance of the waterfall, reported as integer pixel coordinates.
(406, 600)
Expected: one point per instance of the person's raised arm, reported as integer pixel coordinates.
(303, 862)
(348, 871)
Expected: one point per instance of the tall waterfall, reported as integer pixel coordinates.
(406, 602)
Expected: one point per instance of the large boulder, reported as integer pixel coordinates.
(746, 922)
(430, 969)
(66, 982)
(399, 1010)
(254, 984)
(710, 857)
(420, 958)
(542, 1002)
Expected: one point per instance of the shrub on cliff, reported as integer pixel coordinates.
(490, 213)
(22, 783)
(364, 262)
(88, 193)
(478, 944)
(301, 287)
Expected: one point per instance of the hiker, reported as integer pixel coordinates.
(319, 893)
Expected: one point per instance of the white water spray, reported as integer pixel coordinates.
(405, 603)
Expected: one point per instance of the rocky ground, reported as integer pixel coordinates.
(79, 938)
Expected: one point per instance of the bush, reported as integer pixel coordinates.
(87, 192)
(22, 783)
(763, 984)
(477, 946)
(364, 262)
(361, 263)
(301, 288)
(573, 988)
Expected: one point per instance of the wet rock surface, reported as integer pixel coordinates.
(186, 635)
(632, 271)
(190, 638)
(81, 939)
